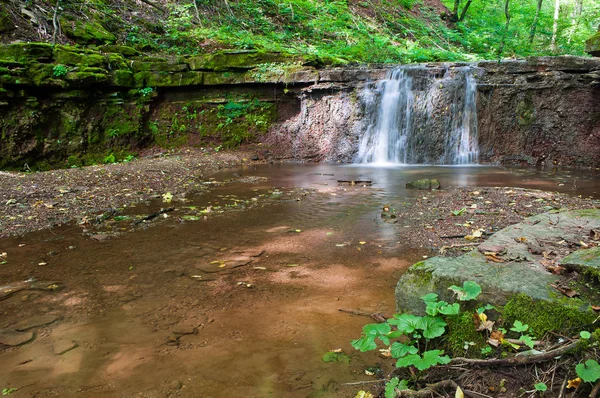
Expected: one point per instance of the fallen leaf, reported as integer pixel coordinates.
(362, 242)
(292, 265)
(459, 393)
(494, 257)
(260, 268)
(486, 325)
(596, 307)
(167, 197)
(574, 383)
(566, 291)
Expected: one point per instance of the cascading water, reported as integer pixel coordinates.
(421, 115)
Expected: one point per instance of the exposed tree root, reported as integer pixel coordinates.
(378, 317)
(520, 360)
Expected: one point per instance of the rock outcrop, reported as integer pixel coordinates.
(66, 106)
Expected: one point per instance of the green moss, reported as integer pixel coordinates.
(86, 32)
(122, 78)
(461, 329)
(25, 52)
(126, 51)
(567, 314)
(64, 55)
(592, 45)
(180, 79)
(241, 60)
(525, 112)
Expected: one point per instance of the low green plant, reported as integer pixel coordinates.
(588, 371)
(110, 158)
(60, 70)
(422, 331)
(8, 391)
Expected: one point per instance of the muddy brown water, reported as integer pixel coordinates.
(146, 319)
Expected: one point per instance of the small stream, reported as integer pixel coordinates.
(260, 329)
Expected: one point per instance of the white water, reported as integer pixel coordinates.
(416, 117)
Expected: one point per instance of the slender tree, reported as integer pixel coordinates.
(535, 20)
(507, 15)
(555, 25)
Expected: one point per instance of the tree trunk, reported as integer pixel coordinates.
(507, 15)
(55, 22)
(464, 11)
(454, 16)
(555, 26)
(535, 20)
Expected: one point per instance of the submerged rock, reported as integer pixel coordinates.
(423, 184)
(14, 338)
(514, 271)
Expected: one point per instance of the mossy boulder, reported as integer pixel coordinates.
(65, 56)
(585, 261)
(6, 24)
(521, 271)
(592, 45)
(181, 79)
(26, 52)
(125, 51)
(424, 183)
(240, 60)
(86, 32)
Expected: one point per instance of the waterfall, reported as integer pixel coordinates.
(421, 115)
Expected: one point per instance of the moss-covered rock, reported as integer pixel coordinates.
(86, 32)
(424, 183)
(592, 45)
(521, 273)
(26, 52)
(157, 66)
(585, 261)
(240, 60)
(87, 76)
(181, 79)
(65, 56)
(125, 51)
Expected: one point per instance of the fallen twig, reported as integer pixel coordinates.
(520, 360)
(154, 215)
(358, 383)
(595, 390)
(378, 317)
(444, 248)
(429, 390)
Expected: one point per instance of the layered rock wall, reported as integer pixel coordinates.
(67, 106)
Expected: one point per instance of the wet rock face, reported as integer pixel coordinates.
(542, 111)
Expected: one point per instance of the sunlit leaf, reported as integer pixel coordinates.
(589, 372)
(574, 383)
(399, 350)
(585, 335)
(406, 323)
(519, 327)
(432, 327)
(540, 387)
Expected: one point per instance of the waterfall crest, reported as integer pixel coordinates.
(421, 115)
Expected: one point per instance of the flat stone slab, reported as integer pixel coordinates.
(61, 347)
(35, 322)
(515, 262)
(13, 338)
(584, 260)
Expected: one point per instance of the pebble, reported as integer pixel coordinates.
(63, 346)
(14, 338)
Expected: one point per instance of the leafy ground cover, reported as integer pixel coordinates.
(354, 30)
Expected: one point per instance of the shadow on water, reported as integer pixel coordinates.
(262, 328)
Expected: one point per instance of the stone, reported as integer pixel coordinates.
(126, 51)
(592, 45)
(239, 60)
(61, 347)
(522, 272)
(185, 328)
(424, 183)
(36, 322)
(586, 261)
(15, 338)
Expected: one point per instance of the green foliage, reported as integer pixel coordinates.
(60, 70)
(428, 360)
(469, 291)
(110, 158)
(393, 385)
(459, 212)
(585, 335)
(422, 330)
(8, 391)
(541, 387)
(589, 372)
(518, 326)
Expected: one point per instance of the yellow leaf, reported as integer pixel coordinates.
(167, 197)
(459, 393)
(470, 237)
(477, 233)
(574, 383)
(483, 317)
(362, 242)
